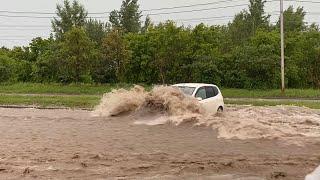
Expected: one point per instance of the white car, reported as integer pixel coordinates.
(209, 95)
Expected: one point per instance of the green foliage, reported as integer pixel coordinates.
(114, 19)
(69, 15)
(257, 17)
(46, 67)
(96, 30)
(21, 53)
(38, 46)
(243, 54)
(23, 71)
(294, 21)
(246, 23)
(115, 56)
(77, 52)
(128, 17)
(7, 68)
(147, 24)
(4, 51)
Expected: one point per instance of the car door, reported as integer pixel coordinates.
(218, 98)
(209, 98)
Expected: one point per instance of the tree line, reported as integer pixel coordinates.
(245, 53)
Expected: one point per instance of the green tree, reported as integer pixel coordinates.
(7, 68)
(128, 17)
(140, 68)
(20, 53)
(147, 24)
(293, 20)
(115, 54)
(114, 19)
(314, 27)
(38, 46)
(77, 52)
(69, 16)
(96, 30)
(207, 46)
(4, 51)
(257, 17)
(246, 23)
(240, 29)
(48, 63)
(169, 45)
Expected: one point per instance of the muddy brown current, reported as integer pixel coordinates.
(72, 144)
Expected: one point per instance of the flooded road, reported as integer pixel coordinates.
(64, 144)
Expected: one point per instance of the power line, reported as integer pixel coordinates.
(108, 12)
(307, 13)
(214, 17)
(303, 1)
(184, 20)
(26, 30)
(145, 10)
(14, 16)
(14, 39)
(213, 20)
(45, 17)
(22, 26)
(173, 12)
(191, 5)
(205, 9)
(197, 10)
(205, 18)
(42, 13)
(307, 22)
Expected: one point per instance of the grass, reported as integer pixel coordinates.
(89, 89)
(72, 89)
(257, 102)
(87, 95)
(274, 93)
(89, 102)
(82, 101)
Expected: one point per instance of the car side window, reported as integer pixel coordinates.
(201, 93)
(216, 91)
(210, 92)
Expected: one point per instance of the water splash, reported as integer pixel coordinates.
(169, 105)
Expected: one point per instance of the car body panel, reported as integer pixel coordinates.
(211, 104)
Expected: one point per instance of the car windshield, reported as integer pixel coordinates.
(187, 90)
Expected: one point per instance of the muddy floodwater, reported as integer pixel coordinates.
(72, 144)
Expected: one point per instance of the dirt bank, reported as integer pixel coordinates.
(63, 144)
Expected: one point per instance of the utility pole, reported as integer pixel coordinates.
(282, 46)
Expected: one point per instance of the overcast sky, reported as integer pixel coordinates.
(19, 31)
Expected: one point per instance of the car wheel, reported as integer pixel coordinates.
(220, 109)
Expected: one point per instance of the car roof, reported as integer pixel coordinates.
(196, 85)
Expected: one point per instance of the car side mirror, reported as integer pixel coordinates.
(199, 98)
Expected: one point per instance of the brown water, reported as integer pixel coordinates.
(266, 122)
(69, 144)
(168, 105)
